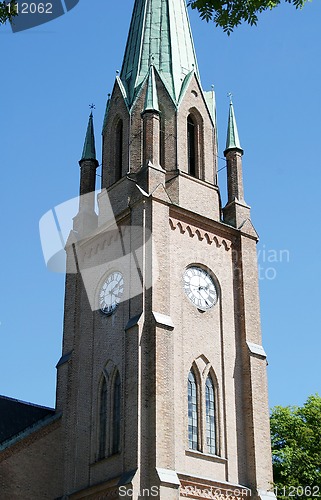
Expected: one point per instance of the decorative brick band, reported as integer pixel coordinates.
(202, 234)
(113, 235)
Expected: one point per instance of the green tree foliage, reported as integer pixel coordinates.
(7, 11)
(296, 450)
(230, 13)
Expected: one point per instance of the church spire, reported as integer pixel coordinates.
(159, 34)
(232, 140)
(89, 151)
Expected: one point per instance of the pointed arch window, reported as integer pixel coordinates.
(103, 420)
(192, 412)
(162, 138)
(191, 146)
(109, 413)
(203, 426)
(116, 415)
(210, 416)
(119, 150)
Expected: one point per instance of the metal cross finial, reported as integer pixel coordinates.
(92, 106)
(230, 95)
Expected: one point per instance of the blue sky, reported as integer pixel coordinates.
(49, 76)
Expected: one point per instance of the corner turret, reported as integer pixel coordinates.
(86, 220)
(236, 211)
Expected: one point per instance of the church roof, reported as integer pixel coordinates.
(16, 416)
(89, 151)
(159, 34)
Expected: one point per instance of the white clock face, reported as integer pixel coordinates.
(200, 288)
(111, 292)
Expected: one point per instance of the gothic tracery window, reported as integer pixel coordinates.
(116, 415)
(103, 420)
(109, 417)
(210, 416)
(202, 412)
(192, 412)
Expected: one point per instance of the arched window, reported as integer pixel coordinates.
(109, 412)
(192, 412)
(103, 420)
(210, 416)
(116, 415)
(119, 151)
(191, 146)
(162, 140)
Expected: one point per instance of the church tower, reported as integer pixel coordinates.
(162, 380)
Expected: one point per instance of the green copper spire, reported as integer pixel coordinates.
(232, 140)
(159, 34)
(151, 100)
(89, 151)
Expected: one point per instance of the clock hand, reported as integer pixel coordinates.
(115, 288)
(203, 295)
(118, 291)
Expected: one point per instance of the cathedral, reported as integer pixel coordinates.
(161, 384)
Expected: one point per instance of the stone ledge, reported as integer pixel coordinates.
(256, 349)
(163, 320)
(206, 456)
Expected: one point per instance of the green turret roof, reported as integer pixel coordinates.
(151, 100)
(232, 140)
(159, 34)
(89, 151)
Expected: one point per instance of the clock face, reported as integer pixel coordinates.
(200, 288)
(111, 292)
